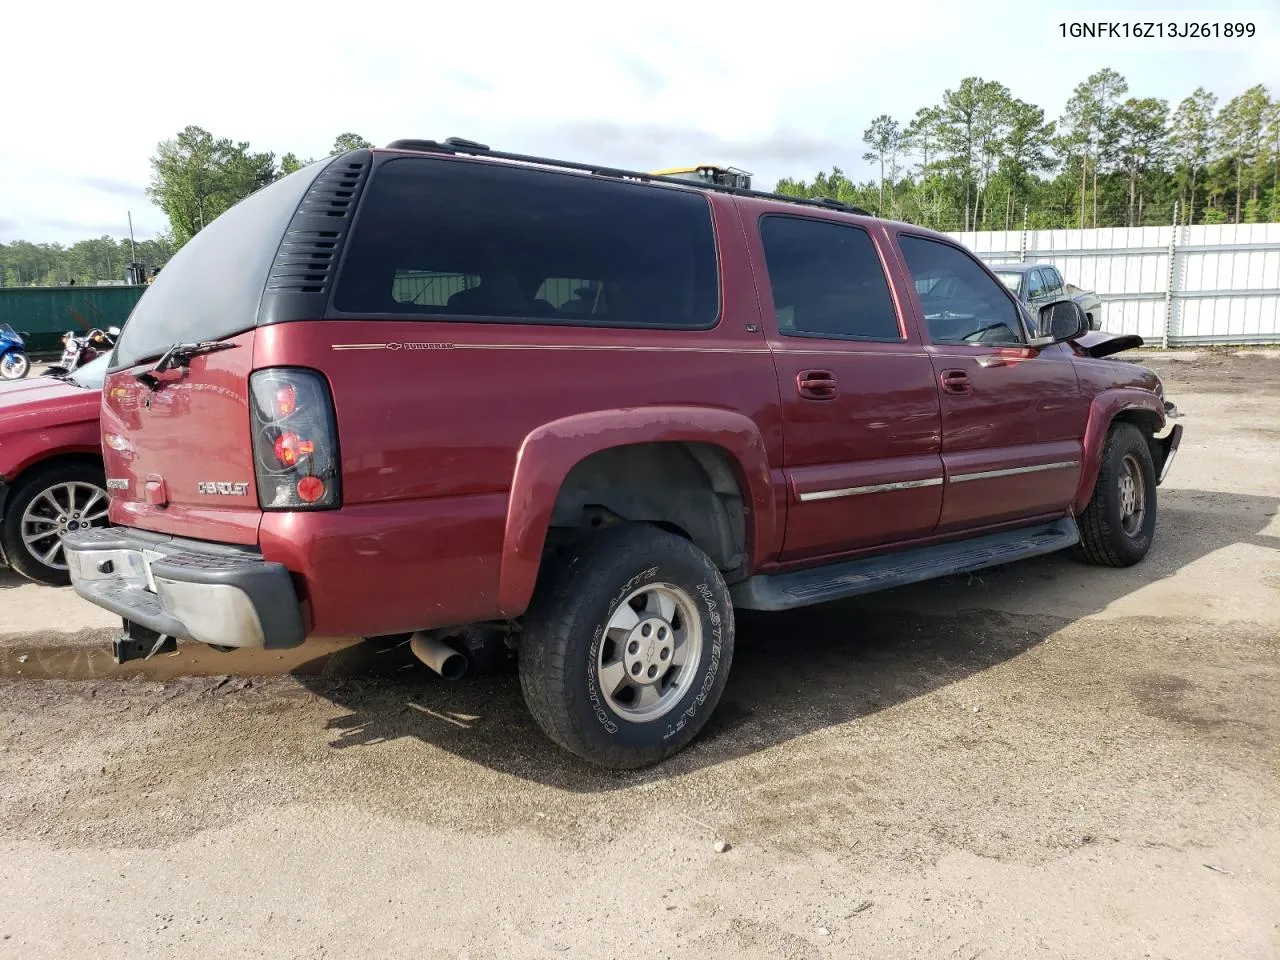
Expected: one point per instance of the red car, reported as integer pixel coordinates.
(51, 479)
(438, 390)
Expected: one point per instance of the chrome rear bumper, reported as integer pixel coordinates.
(219, 595)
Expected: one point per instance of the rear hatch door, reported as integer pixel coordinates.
(178, 448)
(179, 454)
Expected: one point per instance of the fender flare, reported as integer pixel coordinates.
(549, 452)
(1103, 411)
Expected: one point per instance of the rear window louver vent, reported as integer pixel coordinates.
(308, 254)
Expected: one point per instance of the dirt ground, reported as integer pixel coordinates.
(1044, 760)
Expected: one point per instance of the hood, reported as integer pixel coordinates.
(1098, 344)
(38, 401)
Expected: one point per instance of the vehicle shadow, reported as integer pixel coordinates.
(9, 579)
(793, 673)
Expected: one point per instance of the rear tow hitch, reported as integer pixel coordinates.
(136, 642)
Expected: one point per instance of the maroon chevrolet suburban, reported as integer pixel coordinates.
(435, 389)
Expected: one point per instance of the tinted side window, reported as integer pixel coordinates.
(961, 302)
(1037, 289)
(827, 280)
(213, 286)
(1053, 282)
(454, 239)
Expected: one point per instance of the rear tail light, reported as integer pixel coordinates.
(295, 440)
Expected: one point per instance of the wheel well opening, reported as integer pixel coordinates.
(1149, 423)
(690, 489)
(54, 462)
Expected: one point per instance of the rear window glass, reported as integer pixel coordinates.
(212, 287)
(480, 241)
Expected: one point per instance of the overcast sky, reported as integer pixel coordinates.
(782, 89)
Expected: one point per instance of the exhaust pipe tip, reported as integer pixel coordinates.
(438, 655)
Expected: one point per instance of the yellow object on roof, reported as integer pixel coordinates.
(708, 173)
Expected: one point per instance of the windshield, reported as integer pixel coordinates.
(1010, 280)
(91, 375)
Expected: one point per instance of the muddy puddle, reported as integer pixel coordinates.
(43, 659)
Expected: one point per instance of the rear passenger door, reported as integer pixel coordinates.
(1013, 417)
(860, 408)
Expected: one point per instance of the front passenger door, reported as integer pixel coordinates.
(1012, 417)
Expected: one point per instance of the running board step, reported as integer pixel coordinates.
(849, 578)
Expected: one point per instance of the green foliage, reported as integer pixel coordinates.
(1242, 132)
(195, 178)
(885, 139)
(982, 159)
(346, 142)
(1192, 143)
(86, 262)
(979, 159)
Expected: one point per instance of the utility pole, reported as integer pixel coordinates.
(133, 250)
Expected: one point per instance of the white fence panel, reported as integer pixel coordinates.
(1172, 285)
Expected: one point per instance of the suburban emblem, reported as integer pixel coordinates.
(117, 483)
(223, 489)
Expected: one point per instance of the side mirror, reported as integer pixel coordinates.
(1060, 321)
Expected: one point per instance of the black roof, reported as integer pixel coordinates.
(458, 145)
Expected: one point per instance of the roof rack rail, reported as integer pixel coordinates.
(460, 145)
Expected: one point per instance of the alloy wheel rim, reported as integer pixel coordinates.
(1133, 496)
(56, 511)
(14, 365)
(650, 652)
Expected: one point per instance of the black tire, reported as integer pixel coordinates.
(25, 491)
(14, 365)
(1107, 537)
(565, 636)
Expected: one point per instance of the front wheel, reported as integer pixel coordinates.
(627, 646)
(14, 365)
(1118, 525)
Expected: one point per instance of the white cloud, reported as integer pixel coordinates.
(783, 90)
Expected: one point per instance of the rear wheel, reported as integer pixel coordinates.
(1117, 527)
(627, 646)
(42, 507)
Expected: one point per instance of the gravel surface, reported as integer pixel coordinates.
(1042, 760)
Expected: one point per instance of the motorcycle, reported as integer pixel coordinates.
(14, 362)
(77, 351)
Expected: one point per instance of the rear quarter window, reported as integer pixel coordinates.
(212, 287)
(461, 240)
